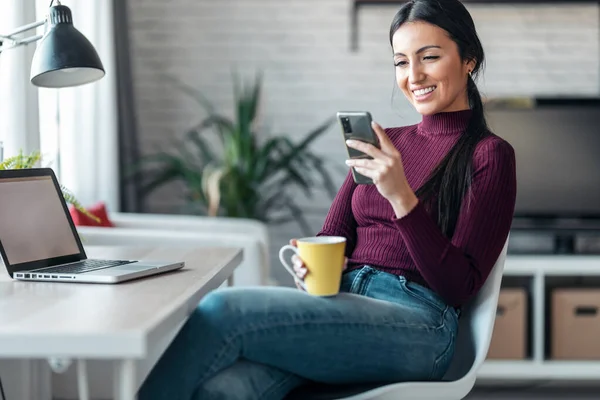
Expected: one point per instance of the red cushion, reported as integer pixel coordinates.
(97, 210)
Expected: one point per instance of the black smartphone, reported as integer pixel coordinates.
(356, 125)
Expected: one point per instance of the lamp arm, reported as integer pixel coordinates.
(15, 42)
(24, 28)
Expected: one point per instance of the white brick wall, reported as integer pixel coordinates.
(302, 46)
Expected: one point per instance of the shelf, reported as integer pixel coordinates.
(357, 5)
(541, 271)
(552, 265)
(532, 370)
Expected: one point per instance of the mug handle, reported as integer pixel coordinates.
(287, 266)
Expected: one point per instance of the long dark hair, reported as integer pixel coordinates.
(449, 182)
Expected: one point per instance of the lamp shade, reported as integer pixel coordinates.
(64, 57)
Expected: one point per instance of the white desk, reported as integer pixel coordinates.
(131, 323)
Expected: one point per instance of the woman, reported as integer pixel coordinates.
(414, 257)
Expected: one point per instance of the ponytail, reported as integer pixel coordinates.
(449, 182)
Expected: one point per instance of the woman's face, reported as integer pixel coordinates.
(429, 69)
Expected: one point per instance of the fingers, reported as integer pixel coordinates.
(385, 143)
(301, 271)
(362, 163)
(299, 286)
(366, 148)
(369, 168)
(380, 132)
(369, 173)
(299, 268)
(297, 261)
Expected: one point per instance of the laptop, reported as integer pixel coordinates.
(38, 239)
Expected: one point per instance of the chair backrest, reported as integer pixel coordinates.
(476, 325)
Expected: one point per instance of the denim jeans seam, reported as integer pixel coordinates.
(361, 280)
(430, 303)
(444, 352)
(422, 298)
(276, 385)
(443, 324)
(254, 328)
(217, 360)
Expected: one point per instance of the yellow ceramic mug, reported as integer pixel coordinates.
(323, 257)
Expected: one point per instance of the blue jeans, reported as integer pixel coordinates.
(260, 343)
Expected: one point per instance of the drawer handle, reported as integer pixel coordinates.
(586, 310)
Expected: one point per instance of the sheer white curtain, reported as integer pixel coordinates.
(78, 126)
(19, 128)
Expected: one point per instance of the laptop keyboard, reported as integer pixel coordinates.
(84, 266)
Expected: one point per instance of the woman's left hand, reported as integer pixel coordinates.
(386, 171)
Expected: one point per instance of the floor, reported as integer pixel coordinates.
(534, 392)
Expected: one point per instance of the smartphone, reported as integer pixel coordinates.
(356, 125)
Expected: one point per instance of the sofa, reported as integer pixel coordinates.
(131, 229)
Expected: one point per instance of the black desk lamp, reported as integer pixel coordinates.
(64, 57)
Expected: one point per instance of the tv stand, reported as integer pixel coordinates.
(564, 243)
(562, 231)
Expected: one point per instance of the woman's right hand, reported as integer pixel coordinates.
(300, 269)
(298, 265)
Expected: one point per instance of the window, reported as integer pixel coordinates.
(13, 104)
(49, 114)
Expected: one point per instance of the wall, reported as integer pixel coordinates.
(302, 47)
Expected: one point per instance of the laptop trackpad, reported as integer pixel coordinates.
(133, 267)
(125, 269)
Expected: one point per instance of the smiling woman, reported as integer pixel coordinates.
(438, 55)
(432, 76)
(420, 243)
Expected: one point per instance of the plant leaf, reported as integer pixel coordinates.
(298, 216)
(246, 177)
(169, 168)
(297, 150)
(21, 161)
(190, 92)
(327, 181)
(204, 149)
(71, 199)
(223, 125)
(313, 135)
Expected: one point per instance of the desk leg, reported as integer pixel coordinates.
(230, 280)
(82, 380)
(124, 380)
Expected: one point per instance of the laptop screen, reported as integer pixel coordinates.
(33, 222)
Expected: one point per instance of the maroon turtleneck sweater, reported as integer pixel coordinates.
(414, 246)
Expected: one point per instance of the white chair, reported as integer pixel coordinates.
(475, 333)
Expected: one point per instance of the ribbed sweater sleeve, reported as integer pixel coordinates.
(456, 269)
(340, 220)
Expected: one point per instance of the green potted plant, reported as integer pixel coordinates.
(22, 161)
(231, 168)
